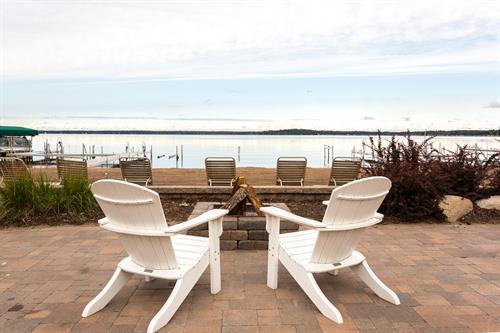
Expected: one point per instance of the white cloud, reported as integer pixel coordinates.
(493, 105)
(424, 116)
(204, 40)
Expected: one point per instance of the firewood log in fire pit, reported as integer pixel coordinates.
(242, 192)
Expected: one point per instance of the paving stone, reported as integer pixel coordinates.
(53, 328)
(250, 223)
(258, 235)
(447, 278)
(235, 235)
(252, 245)
(228, 245)
(240, 317)
(230, 224)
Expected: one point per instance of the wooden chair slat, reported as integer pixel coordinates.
(291, 170)
(221, 171)
(137, 171)
(12, 169)
(344, 170)
(67, 169)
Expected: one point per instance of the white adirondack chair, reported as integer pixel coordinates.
(155, 249)
(329, 245)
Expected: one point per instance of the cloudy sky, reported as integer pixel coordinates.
(250, 64)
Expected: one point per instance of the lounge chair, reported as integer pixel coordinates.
(67, 169)
(221, 171)
(13, 168)
(344, 170)
(155, 249)
(291, 171)
(137, 171)
(330, 245)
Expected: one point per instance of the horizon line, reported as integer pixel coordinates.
(290, 131)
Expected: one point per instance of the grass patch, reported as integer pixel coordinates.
(26, 200)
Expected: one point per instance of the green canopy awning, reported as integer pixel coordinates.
(17, 131)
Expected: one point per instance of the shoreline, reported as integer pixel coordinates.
(300, 132)
(257, 176)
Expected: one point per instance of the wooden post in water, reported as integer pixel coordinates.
(176, 156)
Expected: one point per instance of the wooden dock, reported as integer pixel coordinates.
(93, 160)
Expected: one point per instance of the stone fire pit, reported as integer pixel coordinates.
(245, 232)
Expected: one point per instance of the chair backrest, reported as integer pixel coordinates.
(136, 209)
(291, 170)
(221, 171)
(12, 169)
(353, 203)
(344, 170)
(67, 169)
(137, 171)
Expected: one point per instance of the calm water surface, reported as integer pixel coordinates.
(254, 150)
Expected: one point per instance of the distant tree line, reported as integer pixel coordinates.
(292, 131)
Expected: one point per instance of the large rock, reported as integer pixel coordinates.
(492, 202)
(455, 207)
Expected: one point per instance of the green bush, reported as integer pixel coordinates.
(27, 198)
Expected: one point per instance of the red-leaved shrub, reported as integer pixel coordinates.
(409, 166)
(467, 172)
(421, 176)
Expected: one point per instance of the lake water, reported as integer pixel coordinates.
(254, 150)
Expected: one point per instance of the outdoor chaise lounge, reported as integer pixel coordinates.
(291, 171)
(221, 171)
(137, 171)
(329, 245)
(155, 249)
(71, 169)
(12, 168)
(344, 170)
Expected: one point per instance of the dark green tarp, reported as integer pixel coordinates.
(17, 131)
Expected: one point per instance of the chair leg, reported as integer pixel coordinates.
(335, 272)
(366, 274)
(117, 281)
(273, 228)
(215, 275)
(214, 232)
(179, 293)
(307, 282)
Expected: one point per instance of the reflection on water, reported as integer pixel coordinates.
(255, 150)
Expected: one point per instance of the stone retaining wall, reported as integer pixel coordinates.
(241, 232)
(267, 193)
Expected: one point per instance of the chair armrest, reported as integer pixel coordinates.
(105, 224)
(203, 218)
(368, 223)
(277, 212)
(211, 215)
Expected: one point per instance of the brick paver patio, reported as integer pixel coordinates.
(447, 276)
